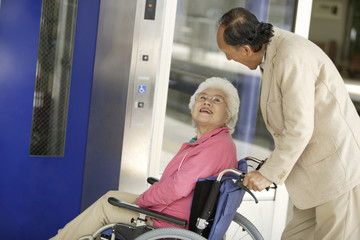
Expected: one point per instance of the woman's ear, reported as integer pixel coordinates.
(227, 119)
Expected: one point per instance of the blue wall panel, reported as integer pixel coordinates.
(38, 195)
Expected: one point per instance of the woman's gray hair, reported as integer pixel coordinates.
(231, 98)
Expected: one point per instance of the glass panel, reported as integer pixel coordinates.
(351, 44)
(196, 57)
(282, 14)
(53, 73)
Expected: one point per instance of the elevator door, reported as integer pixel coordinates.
(40, 190)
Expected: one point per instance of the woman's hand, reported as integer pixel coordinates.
(256, 181)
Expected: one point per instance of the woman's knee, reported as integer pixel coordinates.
(103, 200)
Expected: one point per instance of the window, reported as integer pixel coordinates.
(53, 75)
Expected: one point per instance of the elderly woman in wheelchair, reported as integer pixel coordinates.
(214, 107)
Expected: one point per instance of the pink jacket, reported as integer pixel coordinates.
(208, 156)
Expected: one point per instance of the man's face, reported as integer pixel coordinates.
(241, 54)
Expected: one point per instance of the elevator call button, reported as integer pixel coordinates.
(145, 57)
(140, 104)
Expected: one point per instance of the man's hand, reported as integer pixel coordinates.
(256, 181)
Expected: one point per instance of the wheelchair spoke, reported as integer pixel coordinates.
(242, 228)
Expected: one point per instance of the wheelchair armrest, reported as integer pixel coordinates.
(152, 180)
(150, 213)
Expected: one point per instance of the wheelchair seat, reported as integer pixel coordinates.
(227, 201)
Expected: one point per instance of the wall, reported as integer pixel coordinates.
(326, 28)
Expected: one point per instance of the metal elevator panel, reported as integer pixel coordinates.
(140, 106)
(121, 111)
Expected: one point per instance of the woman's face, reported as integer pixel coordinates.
(210, 110)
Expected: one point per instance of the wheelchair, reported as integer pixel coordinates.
(213, 213)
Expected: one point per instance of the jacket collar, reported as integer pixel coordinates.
(268, 71)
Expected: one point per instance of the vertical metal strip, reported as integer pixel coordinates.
(108, 98)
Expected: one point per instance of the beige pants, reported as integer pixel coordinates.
(97, 215)
(338, 219)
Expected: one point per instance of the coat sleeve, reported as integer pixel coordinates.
(199, 164)
(295, 79)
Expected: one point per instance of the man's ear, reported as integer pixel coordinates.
(247, 50)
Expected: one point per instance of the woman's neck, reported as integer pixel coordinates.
(202, 131)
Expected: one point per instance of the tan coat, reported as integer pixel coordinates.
(313, 121)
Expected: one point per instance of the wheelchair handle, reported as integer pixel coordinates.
(260, 163)
(239, 181)
(256, 160)
(152, 180)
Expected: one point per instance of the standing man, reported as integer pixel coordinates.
(314, 124)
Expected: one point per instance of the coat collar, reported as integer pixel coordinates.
(268, 72)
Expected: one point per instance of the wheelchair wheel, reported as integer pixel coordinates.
(170, 233)
(242, 228)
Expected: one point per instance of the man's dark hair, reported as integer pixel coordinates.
(243, 28)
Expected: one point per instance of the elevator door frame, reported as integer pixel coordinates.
(129, 93)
